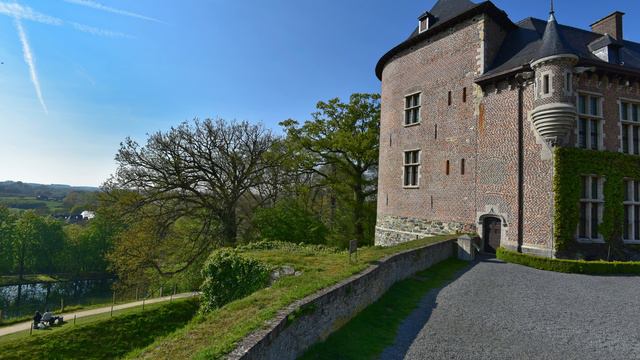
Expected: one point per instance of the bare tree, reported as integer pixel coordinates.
(200, 168)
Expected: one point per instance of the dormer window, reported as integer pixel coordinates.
(424, 22)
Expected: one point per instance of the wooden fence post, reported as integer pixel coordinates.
(61, 305)
(113, 302)
(74, 319)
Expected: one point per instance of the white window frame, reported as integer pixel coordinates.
(415, 165)
(631, 205)
(632, 126)
(420, 29)
(540, 89)
(590, 202)
(598, 118)
(568, 83)
(410, 109)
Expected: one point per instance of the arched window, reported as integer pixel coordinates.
(447, 168)
(462, 167)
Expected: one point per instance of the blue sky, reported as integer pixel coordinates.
(108, 69)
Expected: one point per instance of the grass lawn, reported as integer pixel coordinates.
(376, 327)
(100, 336)
(214, 335)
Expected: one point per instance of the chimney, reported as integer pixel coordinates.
(610, 24)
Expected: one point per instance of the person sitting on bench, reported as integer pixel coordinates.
(48, 317)
(36, 319)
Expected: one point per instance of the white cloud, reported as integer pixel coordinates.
(99, 32)
(30, 60)
(95, 5)
(24, 12)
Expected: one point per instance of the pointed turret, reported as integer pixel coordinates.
(555, 112)
(553, 43)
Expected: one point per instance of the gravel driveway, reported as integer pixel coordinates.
(503, 311)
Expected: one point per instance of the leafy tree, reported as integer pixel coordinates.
(7, 229)
(289, 221)
(86, 246)
(340, 144)
(38, 242)
(202, 168)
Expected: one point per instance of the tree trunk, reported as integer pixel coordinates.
(358, 213)
(229, 227)
(21, 262)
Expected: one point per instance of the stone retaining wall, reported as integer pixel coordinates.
(393, 230)
(312, 319)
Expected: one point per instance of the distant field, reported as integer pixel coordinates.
(31, 203)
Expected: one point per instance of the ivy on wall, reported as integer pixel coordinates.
(570, 165)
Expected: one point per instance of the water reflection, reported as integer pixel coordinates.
(20, 300)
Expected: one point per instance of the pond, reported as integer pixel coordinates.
(20, 300)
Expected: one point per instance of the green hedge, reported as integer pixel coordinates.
(569, 266)
(570, 165)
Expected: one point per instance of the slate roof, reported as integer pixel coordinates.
(524, 41)
(445, 10)
(553, 42)
(524, 44)
(446, 13)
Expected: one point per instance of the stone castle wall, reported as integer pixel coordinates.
(393, 230)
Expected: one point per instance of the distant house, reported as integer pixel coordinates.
(88, 215)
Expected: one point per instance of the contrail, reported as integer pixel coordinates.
(18, 11)
(99, 32)
(28, 58)
(98, 6)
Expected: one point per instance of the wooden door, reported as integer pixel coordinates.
(492, 229)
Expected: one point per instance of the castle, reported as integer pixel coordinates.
(526, 133)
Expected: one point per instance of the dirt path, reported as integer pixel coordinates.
(80, 314)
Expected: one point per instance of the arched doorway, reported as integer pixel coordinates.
(492, 230)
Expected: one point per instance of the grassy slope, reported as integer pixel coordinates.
(67, 309)
(216, 334)
(100, 337)
(376, 327)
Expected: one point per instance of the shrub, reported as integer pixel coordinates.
(569, 266)
(229, 276)
(288, 221)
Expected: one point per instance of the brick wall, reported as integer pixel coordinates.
(448, 62)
